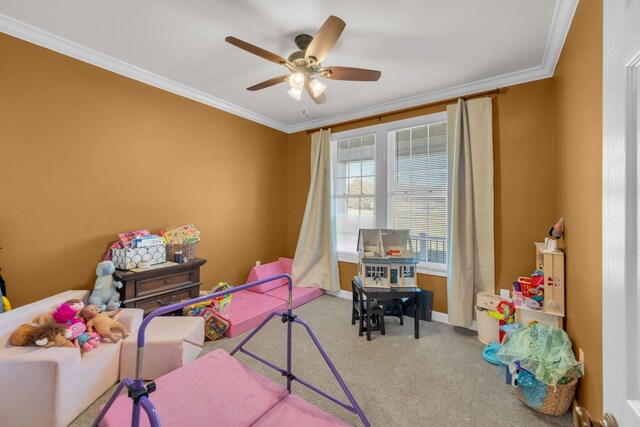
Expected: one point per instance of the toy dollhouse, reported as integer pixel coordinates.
(386, 258)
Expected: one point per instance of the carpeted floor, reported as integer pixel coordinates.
(439, 379)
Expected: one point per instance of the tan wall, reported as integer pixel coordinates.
(577, 169)
(86, 153)
(522, 174)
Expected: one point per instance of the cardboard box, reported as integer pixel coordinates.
(126, 259)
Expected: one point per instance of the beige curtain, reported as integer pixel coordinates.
(315, 263)
(470, 258)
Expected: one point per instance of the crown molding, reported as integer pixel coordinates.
(504, 80)
(559, 29)
(66, 47)
(560, 25)
(561, 22)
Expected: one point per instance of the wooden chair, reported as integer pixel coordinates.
(359, 312)
(394, 308)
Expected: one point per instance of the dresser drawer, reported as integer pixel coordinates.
(163, 283)
(157, 301)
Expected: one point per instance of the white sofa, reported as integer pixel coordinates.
(52, 386)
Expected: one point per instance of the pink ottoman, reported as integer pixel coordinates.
(218, 390)
(300, 295)
(294, 411)
(215, 390)
(248, 309)
(170, 343)
(264, 271)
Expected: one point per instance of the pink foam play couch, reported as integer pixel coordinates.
(252, 306)
(218, 390)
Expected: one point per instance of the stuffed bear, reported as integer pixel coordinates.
(104, 295)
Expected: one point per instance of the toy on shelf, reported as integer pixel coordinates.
(135, 247)
(181, 239)
(540, 298)
(104, 294)
(102, 323)
(555, 233)
(127, 239)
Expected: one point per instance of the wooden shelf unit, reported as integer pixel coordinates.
(552, 313)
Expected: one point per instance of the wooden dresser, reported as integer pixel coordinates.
(158, 287)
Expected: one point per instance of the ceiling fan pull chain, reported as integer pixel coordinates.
(305, 104)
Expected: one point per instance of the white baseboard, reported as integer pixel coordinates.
(340, 294)
(435, 315)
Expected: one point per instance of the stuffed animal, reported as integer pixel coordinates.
(81, 338)
(48, 335)
(104, 294)
(52, 335)
(67, 315)
(66, 312)
(23, 335)
(104, 322)
(62, 313)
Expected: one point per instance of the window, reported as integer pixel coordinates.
(375, 271)
(355, 168)
(394, 175)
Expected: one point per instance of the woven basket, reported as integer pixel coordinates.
(188, 250)
(558, 398)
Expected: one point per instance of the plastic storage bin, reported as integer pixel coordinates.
(487, 327)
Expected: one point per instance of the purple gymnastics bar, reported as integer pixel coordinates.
(139, 393)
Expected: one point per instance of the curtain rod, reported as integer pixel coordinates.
(417, 107)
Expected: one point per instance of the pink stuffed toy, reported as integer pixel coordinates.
(87, 340)
(66, 315)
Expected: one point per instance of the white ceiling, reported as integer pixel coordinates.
(426, 49)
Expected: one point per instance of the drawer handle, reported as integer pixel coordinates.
(163, 303)
(166, 282)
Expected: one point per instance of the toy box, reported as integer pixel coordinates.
(126, 259)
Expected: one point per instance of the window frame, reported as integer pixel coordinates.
(384, 133)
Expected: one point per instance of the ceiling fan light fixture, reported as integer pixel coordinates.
(296, 81)
(295, 94)
(317, 88)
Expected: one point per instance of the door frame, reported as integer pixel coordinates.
(620, 341)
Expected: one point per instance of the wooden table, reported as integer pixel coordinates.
(383, 294)
(157, 287)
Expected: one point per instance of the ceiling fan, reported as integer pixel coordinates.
(304, 65)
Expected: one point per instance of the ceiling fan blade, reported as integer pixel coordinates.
(348, 73)
(320, 99)
(256, 50)
(270, 82)
(325, 39)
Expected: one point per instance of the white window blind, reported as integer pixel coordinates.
(418, 188)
